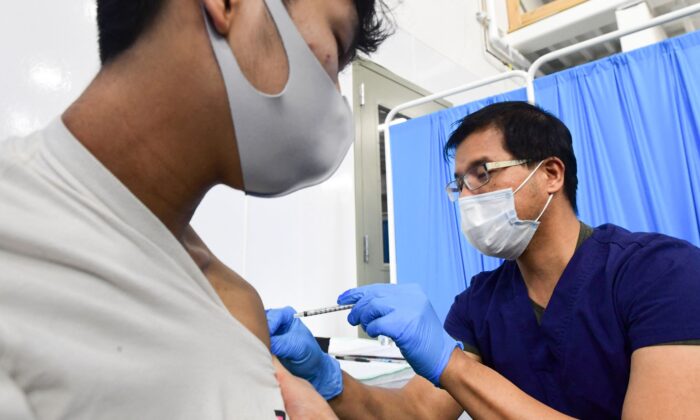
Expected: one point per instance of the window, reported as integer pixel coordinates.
(522, 13)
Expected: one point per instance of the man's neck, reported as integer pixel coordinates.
(158, 131)
(549, 253)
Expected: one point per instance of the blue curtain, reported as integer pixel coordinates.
(635, 120)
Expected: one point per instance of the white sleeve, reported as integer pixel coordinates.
(13, 401)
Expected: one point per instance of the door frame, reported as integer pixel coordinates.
(374, 86)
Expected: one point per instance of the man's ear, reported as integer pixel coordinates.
(555, 170)
(221, 15)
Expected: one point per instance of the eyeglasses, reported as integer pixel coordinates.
(477, 176)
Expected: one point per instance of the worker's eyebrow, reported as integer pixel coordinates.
(472, 164)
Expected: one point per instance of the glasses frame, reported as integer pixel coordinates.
(454, 188)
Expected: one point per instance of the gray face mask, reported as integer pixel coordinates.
(294, 139)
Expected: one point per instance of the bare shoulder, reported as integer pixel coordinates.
(239, 296)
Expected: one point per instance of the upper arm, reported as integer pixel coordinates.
(13, 401)
(664, 383)
(240, 298)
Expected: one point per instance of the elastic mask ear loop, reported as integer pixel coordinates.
(549, 200)
(528, 178)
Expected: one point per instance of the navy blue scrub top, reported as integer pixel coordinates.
(621, 291)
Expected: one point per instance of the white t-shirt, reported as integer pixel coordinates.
(103, 314)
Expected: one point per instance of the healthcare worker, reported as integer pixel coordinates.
(589, 323)
(110, 305)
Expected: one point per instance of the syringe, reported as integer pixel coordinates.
(322, 311)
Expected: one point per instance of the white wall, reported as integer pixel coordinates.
(49, 55)
(440, 45)
(297, 250)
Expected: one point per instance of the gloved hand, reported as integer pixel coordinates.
(403, 313)
(299, 352)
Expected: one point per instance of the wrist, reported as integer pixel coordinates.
(450, 347)
(457, 367)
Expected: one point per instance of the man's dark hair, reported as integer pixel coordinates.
(529, 133)
(120, 23)
(373, 29)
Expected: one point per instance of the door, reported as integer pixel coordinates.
(377, 91)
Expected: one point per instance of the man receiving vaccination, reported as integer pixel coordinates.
(110, 304)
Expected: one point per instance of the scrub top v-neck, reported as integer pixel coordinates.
(584, 233)
(621, 291)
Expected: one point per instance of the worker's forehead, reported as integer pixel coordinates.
(483, 145)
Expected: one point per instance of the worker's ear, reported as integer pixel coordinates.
(221, 14)
(554, 170)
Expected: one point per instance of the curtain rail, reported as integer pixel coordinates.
(657, 21)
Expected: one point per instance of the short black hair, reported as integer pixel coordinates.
(529, 132)
(374, 27)
(120, 23)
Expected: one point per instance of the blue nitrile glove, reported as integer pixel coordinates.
(297, 349)
(403, 313)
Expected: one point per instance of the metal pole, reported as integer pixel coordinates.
(668, 17)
